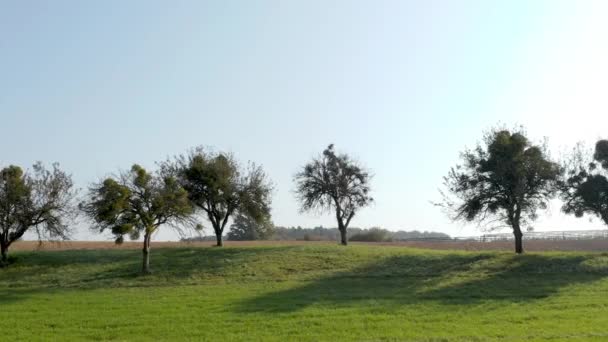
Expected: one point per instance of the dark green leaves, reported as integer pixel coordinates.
(585, 190)
(137, 202)
(220, 187)
(245, 228)
(506, 178)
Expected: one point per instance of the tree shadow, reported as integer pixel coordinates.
(461, 278)
(15, 295)
(91, 269)
(521, 279)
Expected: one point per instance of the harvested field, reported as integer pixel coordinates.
(532, 245)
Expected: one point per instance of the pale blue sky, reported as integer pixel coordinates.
(403, 86)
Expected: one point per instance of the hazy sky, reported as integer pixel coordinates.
(403, 86)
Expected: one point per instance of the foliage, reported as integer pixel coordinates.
(333, 234)
(305, 293)
(137, 202)
(246, 229)
(506, 180)
(372, 235)
(585, 187)
(219, 187)
(334, 182)
(41, 200)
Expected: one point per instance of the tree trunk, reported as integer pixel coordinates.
(519, 246)
(4, 249)
(218, 239)
(146, 254)
(341, 225)
(343, 239)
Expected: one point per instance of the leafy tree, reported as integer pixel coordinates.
(219, 187)
(138, 202)
(334, 181)
(505, 181)
(372, 235)
(585, 187)
(41, 200)
(245, 229)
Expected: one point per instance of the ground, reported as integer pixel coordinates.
(466, 245)
(310, 292)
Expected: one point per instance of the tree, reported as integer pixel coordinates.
(334, 181)
(245, 229)
(219, 187)
(374, 234)
(41, 200)
(585, 187)
(138, 202)
(506, 182)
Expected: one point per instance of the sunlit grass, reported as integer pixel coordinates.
(304, 293)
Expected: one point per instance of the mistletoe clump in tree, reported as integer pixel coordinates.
(41, 200)
(506, 180)
(334, 181)
(136, 203)
(585, 187)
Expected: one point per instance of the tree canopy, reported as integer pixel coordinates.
(41, 200)
(135, 203)
(219, 187)
(505, 180)
(246, 229)
(585, 187)
(336, 182)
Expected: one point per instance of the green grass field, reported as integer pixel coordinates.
(309, 293)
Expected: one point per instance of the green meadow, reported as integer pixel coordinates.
(304, 293)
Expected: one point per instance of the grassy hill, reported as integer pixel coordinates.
(304, 293)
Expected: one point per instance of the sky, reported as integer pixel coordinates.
(402, 86)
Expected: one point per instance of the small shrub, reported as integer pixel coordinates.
(372, 235)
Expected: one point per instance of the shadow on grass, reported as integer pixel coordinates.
(395, 279)
(519, 279)
(448, 279)
(91, 269)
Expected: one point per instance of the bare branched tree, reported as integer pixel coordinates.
(41, 200)
(334, 182)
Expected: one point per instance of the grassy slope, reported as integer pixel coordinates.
(304, 293)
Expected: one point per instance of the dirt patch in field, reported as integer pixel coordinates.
(533, 245)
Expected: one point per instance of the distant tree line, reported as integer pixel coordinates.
(249, 231)
(375, 234)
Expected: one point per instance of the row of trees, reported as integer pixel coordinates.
(137, 203)
(184, 188)
(506, 179)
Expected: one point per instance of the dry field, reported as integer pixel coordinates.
(532, 245)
